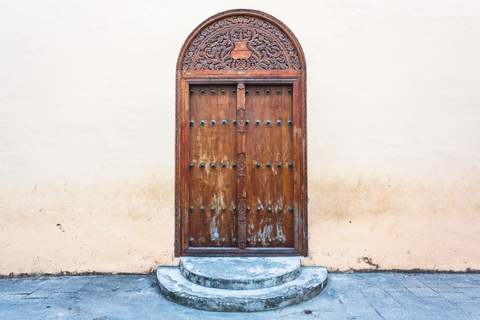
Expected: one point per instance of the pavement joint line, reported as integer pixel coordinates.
(374, 308)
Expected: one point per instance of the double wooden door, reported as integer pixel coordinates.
(240, 166)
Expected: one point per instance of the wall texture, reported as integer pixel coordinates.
(87, 132)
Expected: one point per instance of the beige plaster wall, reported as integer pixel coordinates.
(87, 132)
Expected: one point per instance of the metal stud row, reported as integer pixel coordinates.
(267, 91)
(258, 165)
(212, 91)
(234, 240)
(213, 208)
(234, 122)
(213, 165)
(223, 91)
(234, 208)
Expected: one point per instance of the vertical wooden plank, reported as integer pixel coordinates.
(277, 173)
(226, 191)
(198, 154)
(250, 165)
(268, 219)
(287, 173)
(242, 233)
(232, 170)
(184, 194)
(297, 165)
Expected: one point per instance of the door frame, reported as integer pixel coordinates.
(185, 78)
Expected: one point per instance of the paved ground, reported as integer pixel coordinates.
(348, 296)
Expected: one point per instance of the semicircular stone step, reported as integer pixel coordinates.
(176, 288)
(240, 273)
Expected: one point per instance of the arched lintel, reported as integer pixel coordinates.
(243, 12)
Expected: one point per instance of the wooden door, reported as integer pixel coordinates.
(266, 167)
(240, 173)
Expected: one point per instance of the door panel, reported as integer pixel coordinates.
(269, 149)
(213, 182)
(213, 188)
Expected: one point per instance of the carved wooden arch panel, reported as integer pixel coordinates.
(240, 47)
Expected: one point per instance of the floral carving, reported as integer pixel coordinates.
(270, 48)
(241, 165)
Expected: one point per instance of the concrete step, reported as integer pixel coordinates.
(240, 273)
(175, 287)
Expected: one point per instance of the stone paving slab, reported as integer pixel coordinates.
(347, 296)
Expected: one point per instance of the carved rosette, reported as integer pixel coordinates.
(241, 165)
(242, 219)
(270, 48)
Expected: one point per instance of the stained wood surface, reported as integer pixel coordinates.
(212, 188)
(269, 190)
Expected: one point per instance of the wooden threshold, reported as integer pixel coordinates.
(247, 252)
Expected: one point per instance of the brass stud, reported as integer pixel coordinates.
(279, 91)
(202, 123)
(249, 240)
(248, 209)
(214, 239)
(279, 209)
(259, 240)
(224, 122)
(191, 165)
(247, 122)
(234, 164)
(267, 91)
(257, 91)
(257, 122)
(269, 240)
(234, 208)
(202, 208)
(280, 240)
(234, 122)
(268, 122)
(224, 165)
(289, 91)
(212, 208)
(224, 208)
(202, 91)
(269, 165)
(192, 208)
(224, 240)
(213, 91)
(289, 122)
(290, 209)
(234, 240)
(192, 240)
(247, 91)
(269, 209)
(192, 91)
(213, 165)
(234, 91)
(279, 122)
(290, 165)
(213, 122)
(224, 91)
(202, 240)
(202, 165)
(259, 208)
(279, 164)
(192, 122)
(258, 165)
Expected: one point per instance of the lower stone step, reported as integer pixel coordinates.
(176, 288)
